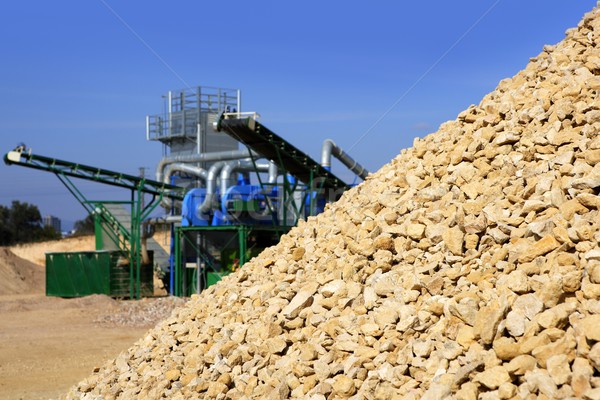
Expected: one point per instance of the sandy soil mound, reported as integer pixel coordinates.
(36, 252)
(18, 275)
(22, 267)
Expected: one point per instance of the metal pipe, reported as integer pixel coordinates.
(199, 271)
(330, 148)
(147, 231)
(183, 269)
(273, 173)
(188, 169)
(144, 252)
(245, 165)
(227, 171)
(211, 188)
(164, 220)
(204, 157)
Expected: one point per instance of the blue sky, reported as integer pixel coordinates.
(78, 77)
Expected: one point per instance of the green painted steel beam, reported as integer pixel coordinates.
(182, 242)
(287, 157)
(81, 171)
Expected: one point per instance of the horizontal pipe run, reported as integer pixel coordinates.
(203, 157)
(245, 166)
(164, 220)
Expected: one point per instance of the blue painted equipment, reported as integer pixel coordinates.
(189, 208)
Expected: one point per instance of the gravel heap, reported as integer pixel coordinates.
(469, 267)
(146, 312)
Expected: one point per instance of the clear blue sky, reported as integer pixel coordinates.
(76, 83)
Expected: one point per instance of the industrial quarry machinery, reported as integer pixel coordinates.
(125, 269)
(228, 186)
(245, 185)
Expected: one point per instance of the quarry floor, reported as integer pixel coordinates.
(48, 344)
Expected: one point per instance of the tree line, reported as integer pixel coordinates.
(84, 226)
(22, 223)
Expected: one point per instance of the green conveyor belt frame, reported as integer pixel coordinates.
(286, 156)
(127, 239)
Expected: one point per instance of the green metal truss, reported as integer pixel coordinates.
(288, 158)
(128, 239)
(183, 239)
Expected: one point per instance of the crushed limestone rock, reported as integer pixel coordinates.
(146, 312)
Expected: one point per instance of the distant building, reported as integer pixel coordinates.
(54, 222)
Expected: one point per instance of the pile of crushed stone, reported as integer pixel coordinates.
(146, 312)
(467, 267)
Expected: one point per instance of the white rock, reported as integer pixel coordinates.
(528, 305)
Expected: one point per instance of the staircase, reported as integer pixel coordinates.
(123, 217)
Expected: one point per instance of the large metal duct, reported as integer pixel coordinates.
(188, 169)
(273, 173)
(170, 169)
(246, 165)
(330, 148)
(203, 157)
(211, 188)
(164, 220)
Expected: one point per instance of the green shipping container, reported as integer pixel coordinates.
(77, 274)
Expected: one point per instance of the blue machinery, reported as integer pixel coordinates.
(221, 229)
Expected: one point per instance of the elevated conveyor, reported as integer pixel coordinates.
(127, 237)
(287, 157)
(75, 170)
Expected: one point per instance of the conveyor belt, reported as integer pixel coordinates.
(81, 171)
(287, 157)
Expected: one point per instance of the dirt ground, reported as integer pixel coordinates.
(48, 344)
